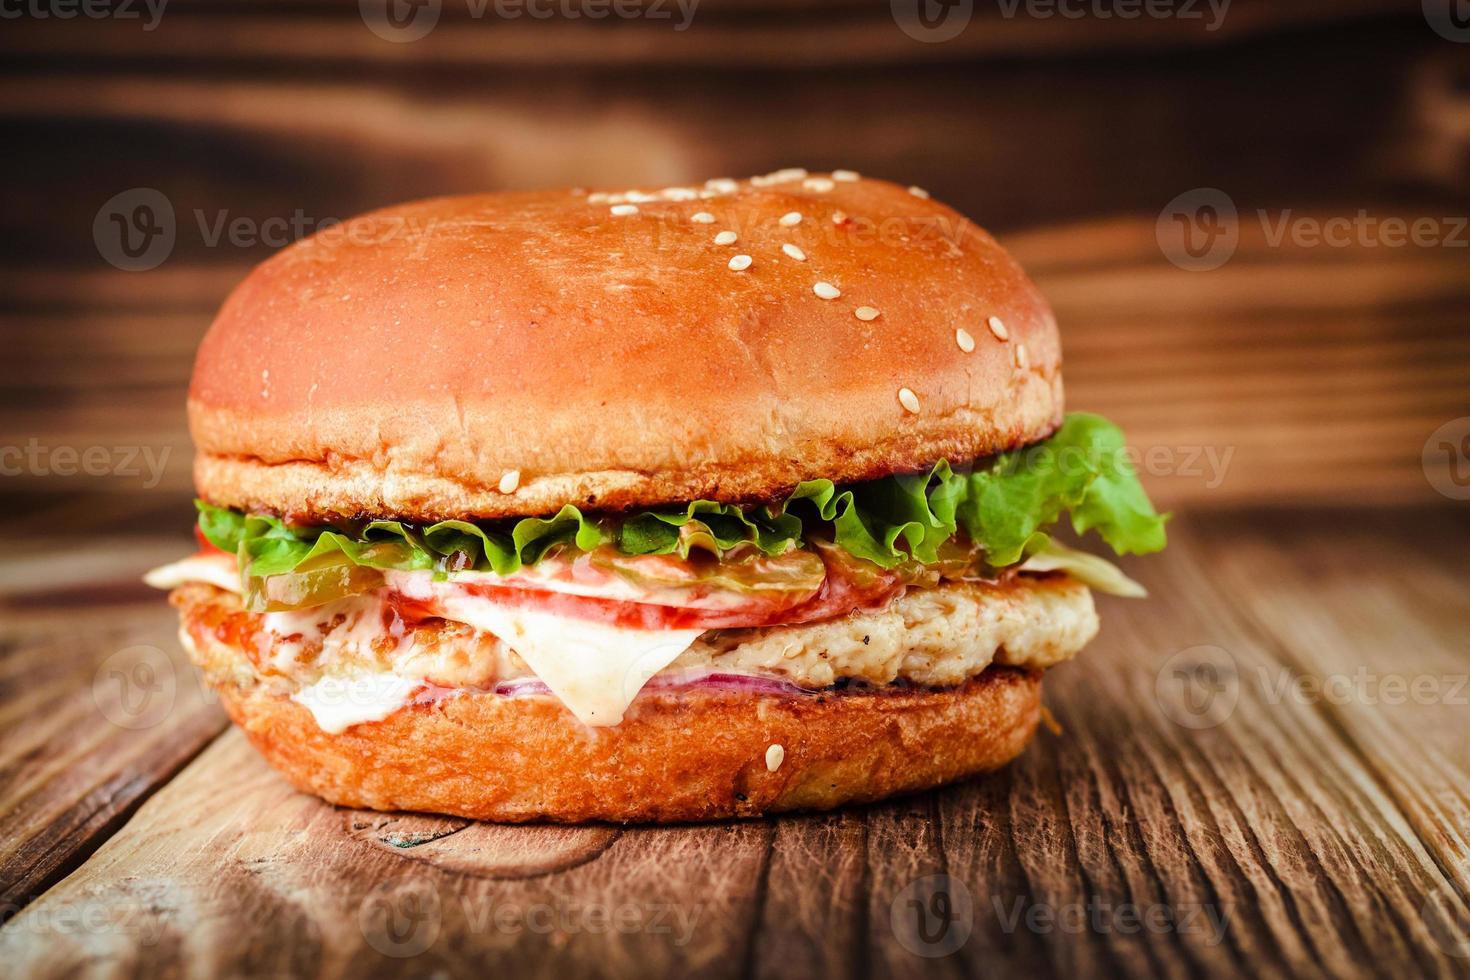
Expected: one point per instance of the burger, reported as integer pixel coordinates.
(657, 505)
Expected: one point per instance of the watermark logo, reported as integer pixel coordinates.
(138, 230)
(933, 916)
(1446, 459)
(1211, 12)
(563, 916)
(1102, 917)
(150, 12)
(1208, 464)
(932, 21)
(1450, 19)
(1198, 230)
(1362, 686)
(1198, 687)
(401, 917)
(400, 21)
(147, 463)
(134, 919)
(643, 668)
(135, 688)
(135, 229)
(1362, 230)
(404, 21)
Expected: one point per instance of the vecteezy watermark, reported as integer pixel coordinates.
(130, 462)
(404, 916)
(566, 916)
(400, 21)
(932, 916)
(934, 21)
(150, 12)
(1210, 12)
(1209, 464)
(1198, 687)
(1363, 686)
(1450, 19)
(1363, 230)
(114, 916)
(1199, 230)
(1100, 916)
(138, 229)
(136, 687)
(1446, 459)
(135, 230)
(405, 21)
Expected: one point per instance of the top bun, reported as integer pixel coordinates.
(505, 354)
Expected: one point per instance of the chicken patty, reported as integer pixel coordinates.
(934, 637)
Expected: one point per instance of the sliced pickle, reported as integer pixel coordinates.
(383, 554)
(958, 559)
(313, 583)
(797, 571)
(860, 572)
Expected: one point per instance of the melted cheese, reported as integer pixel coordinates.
(596, 670)
(337, 628)
(337, 703)
(217, 569)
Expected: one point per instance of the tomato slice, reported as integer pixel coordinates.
(844, 587)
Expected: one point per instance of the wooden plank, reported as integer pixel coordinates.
(252, 851)
(1160, 835)
(1267, 814)
(98, 705)
(1384, 656)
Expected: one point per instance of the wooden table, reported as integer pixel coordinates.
(1263, 769)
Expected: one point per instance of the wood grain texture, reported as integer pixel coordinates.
(1205, 811)
(98, 705)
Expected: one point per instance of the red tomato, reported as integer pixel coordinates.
(840, 592)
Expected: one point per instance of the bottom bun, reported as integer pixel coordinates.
(691, 755)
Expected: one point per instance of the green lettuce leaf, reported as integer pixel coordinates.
(1005, 506)
(709, 526)
(1082, 469)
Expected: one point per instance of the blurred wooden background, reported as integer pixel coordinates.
(1292, 374)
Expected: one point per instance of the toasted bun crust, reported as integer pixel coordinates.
(697, 755)
(402, 364)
